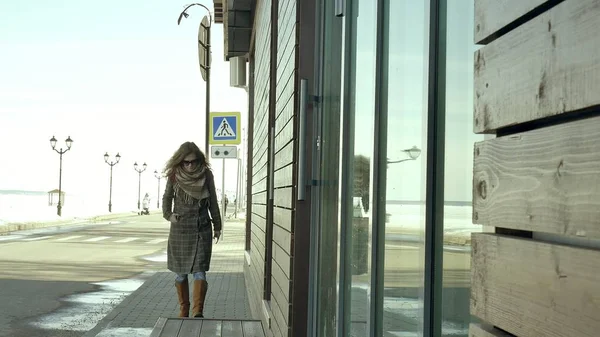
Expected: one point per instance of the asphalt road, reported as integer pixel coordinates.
(41, 270)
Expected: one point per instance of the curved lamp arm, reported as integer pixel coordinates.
(184, 14)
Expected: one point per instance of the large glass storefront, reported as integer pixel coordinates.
(393, 168)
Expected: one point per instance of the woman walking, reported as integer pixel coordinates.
(190, 204)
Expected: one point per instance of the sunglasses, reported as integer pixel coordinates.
(189, 162)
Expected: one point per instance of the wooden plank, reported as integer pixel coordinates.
(286, 36)
(283, 259)
(190, 328)
(283, 217)
(531, 288)
(259, 222)
(257, 262)
(279, 296)
(549, 66)
(259, 185)
(279, 310)
(171, 328)
(283, 238)
(260, 198)
(258, 244)
(286, 86)
(493, 15)
(285, 156)
(259, 237)
(282, 281)
(160, 323)
(481, 330)
(286, 64)
(260, 210)
(253, 329)
(260, 170)
(286, 108)
(284, 176)
(232, 329)
(211, 329)
(283, 197)
(286, 134)
(547, 180)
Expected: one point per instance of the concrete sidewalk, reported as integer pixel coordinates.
(226, 299)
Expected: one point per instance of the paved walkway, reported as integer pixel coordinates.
(157, 297)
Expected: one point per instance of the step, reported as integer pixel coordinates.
(199, 327)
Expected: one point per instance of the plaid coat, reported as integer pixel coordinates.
(190, 239)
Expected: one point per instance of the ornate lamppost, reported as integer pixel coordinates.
(139, 171)
(111, 164)
(204, 55)
(413, 153)
(157, 176)
(68, 142)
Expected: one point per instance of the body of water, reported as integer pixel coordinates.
(28, 206)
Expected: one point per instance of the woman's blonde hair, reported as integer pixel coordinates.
(184, 150)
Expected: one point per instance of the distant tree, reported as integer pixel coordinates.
(362, 179)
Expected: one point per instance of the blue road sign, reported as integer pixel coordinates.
(224, 128)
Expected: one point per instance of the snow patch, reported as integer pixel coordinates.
(89, 308)
(125, 332)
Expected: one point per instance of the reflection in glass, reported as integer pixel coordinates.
(458, 168)
(358, 143)
(406, 46)
(327, 169)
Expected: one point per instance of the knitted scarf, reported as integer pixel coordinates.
(192, 184)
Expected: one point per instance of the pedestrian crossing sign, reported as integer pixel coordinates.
(225, 128)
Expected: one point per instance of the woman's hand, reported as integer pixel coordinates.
(174, 218)
(217, 236)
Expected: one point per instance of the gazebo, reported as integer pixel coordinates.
(53, 197)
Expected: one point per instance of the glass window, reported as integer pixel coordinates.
(358, 121)
(458, 168)
(406, 35)
(326, 172)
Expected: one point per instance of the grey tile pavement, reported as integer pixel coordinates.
(157, 297)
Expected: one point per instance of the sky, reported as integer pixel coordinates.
(124, 77)
(117, 77)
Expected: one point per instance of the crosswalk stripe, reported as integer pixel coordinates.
(69, 238)
(126, 240)
(156, 241)
(37, 238)
(10, 237)
(100, 238)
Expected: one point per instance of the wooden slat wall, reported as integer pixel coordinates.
(538, 182)
(533, 180)
(546, 67)
(489, 22)
(255, 271)
(480, 330)
(530, 288)
(284, 185)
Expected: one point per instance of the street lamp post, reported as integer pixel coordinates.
(139, 171)
(203, 46)
(68, 142)
(413, 153)
(157, 176)
(111, 164)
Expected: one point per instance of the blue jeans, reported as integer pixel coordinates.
(200, 275)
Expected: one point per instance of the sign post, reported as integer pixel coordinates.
(224, 130)
(204, 57)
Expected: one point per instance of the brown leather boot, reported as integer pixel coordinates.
(183, 292)
(200, 289)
